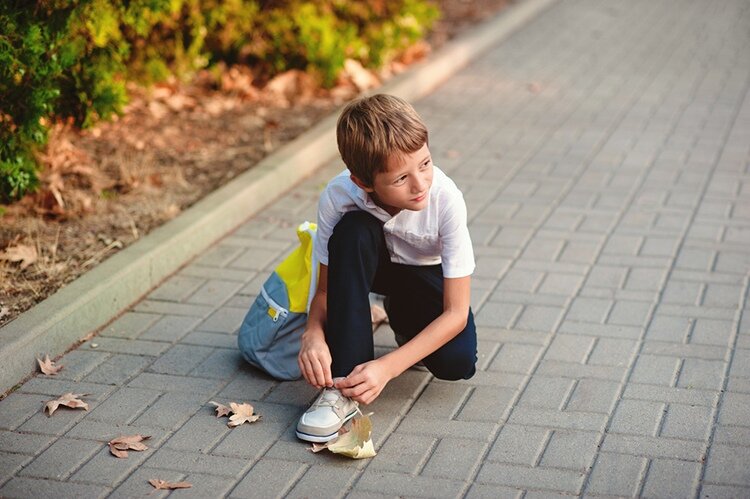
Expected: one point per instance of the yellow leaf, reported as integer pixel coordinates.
(22, 253)
(164, 485)
(119, 446)
(357, 442)
(221, 409)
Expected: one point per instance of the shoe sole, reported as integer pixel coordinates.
(318, 439)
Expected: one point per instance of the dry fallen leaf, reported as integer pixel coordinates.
(68, 400)
(242, 413)
(119, 446)
(356, 443)
(23, 253)
(164, 485)
(48, 366)
(221, 409)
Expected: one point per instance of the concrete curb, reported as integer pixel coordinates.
(94, 299)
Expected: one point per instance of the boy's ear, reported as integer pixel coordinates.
(361, 184)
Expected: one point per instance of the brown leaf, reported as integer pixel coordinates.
(221, 409)
(119, 446)
(68, 400)
(48, 366)
(22, 253)
(242, 413)
(164, 485)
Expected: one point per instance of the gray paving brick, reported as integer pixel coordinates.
(406, 485)
(404, 453)
(539, 318)
(292, 392)
(455, 458)
(136, 485)
(218, 256)
(253, 259)
(711, 332)
(728, 491)
(740, 363)
(104, 431)
(569, 348)
(441, 398)
(218, 340)
(502, 296)
(249, 384)
(193, 462)
(132, 347)
(214, 292)
(224, 320)
(553, 368)
(659, 246)
(593, 395)
(124, 405)
(31, 487)
(733, 409)
(10, 464)
(170, 308)
(495, 314)
(487, 404)
(612, 352)
(180, 359)
(221, 364)
(23, 443)
(323, 481)
(622, 245)
(200, 433)
(129, 325)
(707, 352)
(550, 393)
(579, 252)
(699, 373)
(606, 276)
(253, 441)
(52, 387)
(726, 464)
(170, 328)
(539, 478)
(171, 410)
(682, 292)
(588, 310)
(519, 445)
(653, 447)
(600, 330)
(656, 369)
(560, 284)
(16, 408)
(176, 288)
(487, 266)
(427, 424)
(689, 422)
(721, 295)
(485, 491)
(616, 475)
(639, 417)
(629, 313)
(62, 420)
(517, 358)
(60, 459)
(521, 280)
(666, 394)
(170, 383)
(104, 469)
(118, 369)
(558, 419)
(78, 363)
(571, 449)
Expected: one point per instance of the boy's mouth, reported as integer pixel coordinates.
(419, 198)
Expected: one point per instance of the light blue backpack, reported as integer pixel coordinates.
(270, 334)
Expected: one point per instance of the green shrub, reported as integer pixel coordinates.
(71, 59)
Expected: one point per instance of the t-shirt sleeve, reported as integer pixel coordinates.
(457, 253)
(328, 217)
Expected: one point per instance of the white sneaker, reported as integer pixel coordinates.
(322, 421)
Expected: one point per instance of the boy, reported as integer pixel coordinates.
(393, 224)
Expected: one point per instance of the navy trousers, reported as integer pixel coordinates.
(358, 263)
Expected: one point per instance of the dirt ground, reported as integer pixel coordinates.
(106, 187)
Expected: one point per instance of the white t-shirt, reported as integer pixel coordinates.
(436, 234)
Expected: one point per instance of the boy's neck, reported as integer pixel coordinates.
(392, 211)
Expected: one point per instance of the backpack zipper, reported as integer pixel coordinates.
(278, 309)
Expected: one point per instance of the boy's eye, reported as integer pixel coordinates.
(400, 180)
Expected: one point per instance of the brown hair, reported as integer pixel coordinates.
(372, 129)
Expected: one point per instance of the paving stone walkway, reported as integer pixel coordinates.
(604, 151)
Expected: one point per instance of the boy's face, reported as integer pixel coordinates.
(405, 185)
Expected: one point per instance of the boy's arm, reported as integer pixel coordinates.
(314, 357)
(367, 380)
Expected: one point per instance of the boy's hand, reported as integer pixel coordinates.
(314, 360)
(365, 382)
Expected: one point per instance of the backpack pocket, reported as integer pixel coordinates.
(270, 335)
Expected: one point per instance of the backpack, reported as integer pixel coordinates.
(270, 335)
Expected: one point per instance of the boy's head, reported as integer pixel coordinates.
(373, 129)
